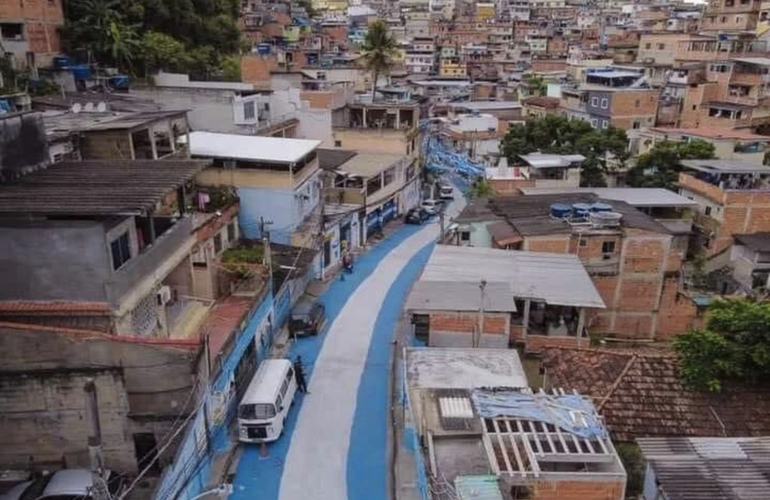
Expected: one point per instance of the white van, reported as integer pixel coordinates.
(264, 407)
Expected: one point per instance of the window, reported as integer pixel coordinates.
(388, 176)
(248, 110)
(738, 19)
(217, 244)
(637, 103)
(636, 124)
(605, 103)
(608, 246)
(605, 124)
(594, 101)
(465, 236)
(337, 144)
(661, 46)
(594, 122)
(707, 211)
(648, 46)
(231, 232)
(121, 251)
(582, 243)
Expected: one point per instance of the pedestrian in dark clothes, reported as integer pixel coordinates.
(299, 375)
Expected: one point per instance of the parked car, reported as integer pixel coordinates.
(446, 192)
(308, 317)
(416, 216)
(431, 206)
(66, 484)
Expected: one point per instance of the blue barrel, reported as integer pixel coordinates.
(560, 211)
(61, 62)
(81, 72)
(581, 209)
(601, 207)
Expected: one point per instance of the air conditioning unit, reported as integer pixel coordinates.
(164, 295)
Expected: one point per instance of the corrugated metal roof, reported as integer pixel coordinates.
(369, 164)
(636, 197)
(558, 279)
(725, 166)
(713, 468)
(477, 488)
(460, 296)
(97, 187)
(250, 147)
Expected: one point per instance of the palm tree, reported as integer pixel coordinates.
(122, 44)
(379, 50)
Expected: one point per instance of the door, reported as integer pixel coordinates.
(327, 253)
(146, 449)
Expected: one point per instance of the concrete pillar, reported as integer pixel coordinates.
(364, 109)
(581, 321)
(525, 319)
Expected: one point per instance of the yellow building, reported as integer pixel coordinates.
(452, 68)
(485, 11)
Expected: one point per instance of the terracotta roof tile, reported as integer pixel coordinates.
(650, 400)
(53, 307)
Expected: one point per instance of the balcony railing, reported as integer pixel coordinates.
(151, 260)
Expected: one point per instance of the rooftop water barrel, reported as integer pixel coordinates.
(601, 207)
(560, 211)
(581, 209)
(605, 219)
(81, 72)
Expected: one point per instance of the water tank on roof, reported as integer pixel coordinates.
(581, 210)
(560, 211)
(601, 207)
(605, 219)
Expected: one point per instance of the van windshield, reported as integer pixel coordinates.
(256, 412)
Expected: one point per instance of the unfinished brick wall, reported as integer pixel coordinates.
(536, 343)
(577, 490)
(494, 323)
(49, 10)
(256, 69)
(551, 243)
(678, 313)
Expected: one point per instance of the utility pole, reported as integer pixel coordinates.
(98, 486)
(482, 288)
(441, 223)
(322, 232)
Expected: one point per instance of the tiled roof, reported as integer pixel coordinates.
(640, 395)
(83, 335)
(32, 307)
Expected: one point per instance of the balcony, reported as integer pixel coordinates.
(154, 262)
(749, 79)
(689, 183)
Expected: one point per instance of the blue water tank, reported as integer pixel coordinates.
(61, 62)
(581, 209)
(601, 207)
(264, 48)
(81, 72)
(560, 211)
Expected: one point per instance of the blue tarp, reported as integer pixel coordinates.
(570, 412)
(442, 158)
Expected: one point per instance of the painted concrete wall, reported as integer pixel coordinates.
(53, 260)
(43, 411)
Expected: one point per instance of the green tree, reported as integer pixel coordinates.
(735, 344)
(536, 86)
(660, 166)
(379, 51)
(122, 45)
(160, 51)
(231, 69)
(560, 135)
(480, 189)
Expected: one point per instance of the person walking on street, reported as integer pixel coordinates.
(299, 375)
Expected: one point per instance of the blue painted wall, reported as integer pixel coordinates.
(286, 208)
(189, 474)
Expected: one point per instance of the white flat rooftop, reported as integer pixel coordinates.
(250, 147)
(636, 197)
(558, 279)
(455, 368)
(541, 160)
(485, 105)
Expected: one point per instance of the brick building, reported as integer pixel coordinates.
(29, 30)
(524, 300)
(503, 443)
(634, 264)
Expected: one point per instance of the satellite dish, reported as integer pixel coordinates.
(76, 108)
(101, 107)
(89, 107)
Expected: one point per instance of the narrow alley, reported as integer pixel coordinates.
(335, 441)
